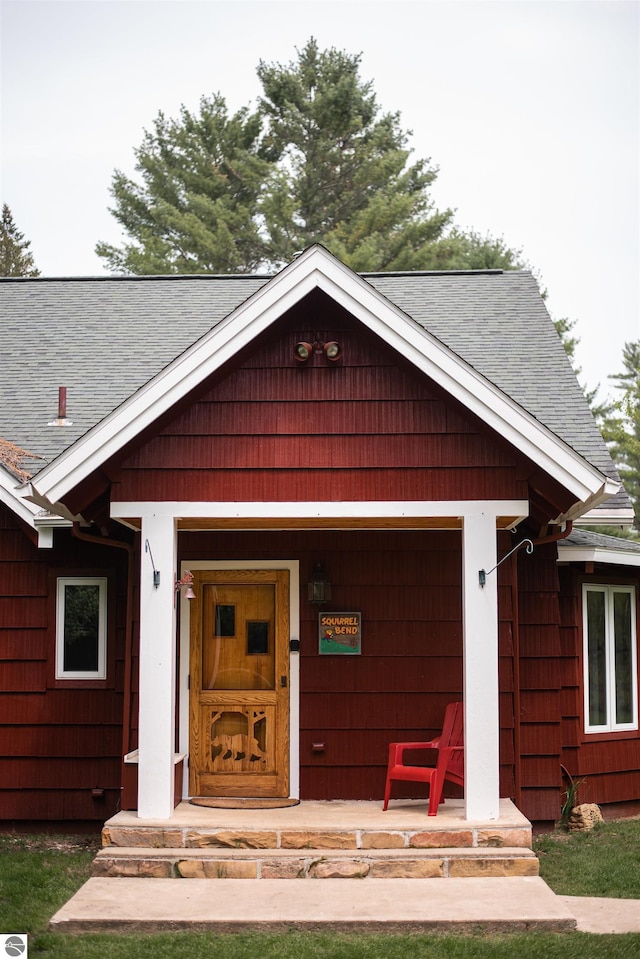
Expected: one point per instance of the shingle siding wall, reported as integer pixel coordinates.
(57, 743)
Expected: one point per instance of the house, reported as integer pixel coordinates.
(402, 462)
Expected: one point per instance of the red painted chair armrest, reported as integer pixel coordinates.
(397, 750)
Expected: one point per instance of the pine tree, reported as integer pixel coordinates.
(621, 425)
(195, 211)
(315, 163)
(16, 258)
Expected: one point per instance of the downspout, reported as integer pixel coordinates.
(568, 527)
(128, 652)
(517, 733)
(517, 699)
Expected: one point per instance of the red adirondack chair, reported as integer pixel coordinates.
(449, 764)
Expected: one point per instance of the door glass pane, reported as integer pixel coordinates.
(597, 658)
(257, 638)
(81, 627)
(225, 620)
(237, 636)
(623, 657)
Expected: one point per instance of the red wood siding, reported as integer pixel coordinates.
(365, 428)
(56, 744)
(540, 730)
(609, 765)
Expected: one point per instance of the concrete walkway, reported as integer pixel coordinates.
(396, 905)
(604, 915)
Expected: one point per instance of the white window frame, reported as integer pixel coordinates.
(62, 583)
(609, 591)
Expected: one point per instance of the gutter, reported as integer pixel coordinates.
(608, 489)
(31, 495)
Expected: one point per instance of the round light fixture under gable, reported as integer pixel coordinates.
(332, 350)
(302, 351)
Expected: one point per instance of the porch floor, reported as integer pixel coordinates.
(341, 815)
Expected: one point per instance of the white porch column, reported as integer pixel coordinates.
(156, 722)
(480, 635)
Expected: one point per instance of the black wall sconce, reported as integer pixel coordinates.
(319, 587)
(303, 351)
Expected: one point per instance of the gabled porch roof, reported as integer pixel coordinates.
(317, 269)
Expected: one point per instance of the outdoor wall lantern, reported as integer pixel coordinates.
(319, 587)
(303, 351)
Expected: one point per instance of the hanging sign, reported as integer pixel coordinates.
(339, 634)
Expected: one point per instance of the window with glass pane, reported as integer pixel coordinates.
(611, 689)
(81, 628)
(624, 659)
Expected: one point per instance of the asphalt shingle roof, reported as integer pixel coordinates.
(103, 338)
(591, 540)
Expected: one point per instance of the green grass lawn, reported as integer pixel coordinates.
(603, 862)
(39, 873)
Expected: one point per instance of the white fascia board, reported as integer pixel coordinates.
(316, 268)
(11, 497)
(597, 554)
(322, 510)
(605, 517)
(45, 525)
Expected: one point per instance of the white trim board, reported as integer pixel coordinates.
(597, 554)
(400, 509)
(11, 496)
(607, 517)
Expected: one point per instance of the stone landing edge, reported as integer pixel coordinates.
(442, 863)
(185, 837)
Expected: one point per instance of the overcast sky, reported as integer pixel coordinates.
(530, 110)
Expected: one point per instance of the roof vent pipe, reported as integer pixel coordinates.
(62, 409)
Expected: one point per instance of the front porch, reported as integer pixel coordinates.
(413, 627)
(319, 840)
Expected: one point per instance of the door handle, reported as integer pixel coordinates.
(283, 681)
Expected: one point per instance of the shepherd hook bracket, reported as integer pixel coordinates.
(156, 572)
(482, 575)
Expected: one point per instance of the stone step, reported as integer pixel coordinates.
(314, 863)
(144, 906)
(232, 837)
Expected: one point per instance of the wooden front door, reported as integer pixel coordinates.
(239, 684)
